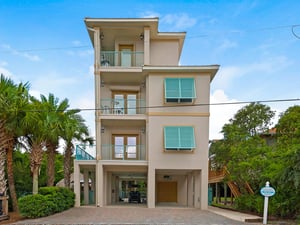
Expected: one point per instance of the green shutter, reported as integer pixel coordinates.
(187, 86)
(172, 88)
(179, 138)
(179, 89)
(171, 137)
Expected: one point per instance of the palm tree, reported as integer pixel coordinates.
(74, 129)
(54, 114)
(35, 122)
(13, 102)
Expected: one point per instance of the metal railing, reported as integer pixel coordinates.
(111, 152)
(123, 152)
(85, 152)
(122, 106)
(122, 58)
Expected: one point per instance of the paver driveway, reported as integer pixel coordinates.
(133, 215)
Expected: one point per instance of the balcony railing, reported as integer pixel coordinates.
(111, 152)
(123, 152)
(122, 58)
(85, 152)
(122, 106)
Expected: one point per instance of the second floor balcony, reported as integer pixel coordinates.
(122, 58)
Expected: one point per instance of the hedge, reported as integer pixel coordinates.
(48, 201)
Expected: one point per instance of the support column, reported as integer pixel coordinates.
(86, 186)
(190, 190)
(77, 183)
(151, 188)
(197, 190)
(146, 46)
(204, 187)
(99, 185)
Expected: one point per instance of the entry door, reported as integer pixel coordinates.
(125, 147)
(125, 103)
(126, 55)
(167, 191)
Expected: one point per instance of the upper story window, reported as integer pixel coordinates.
(180, 89)
(179, 138)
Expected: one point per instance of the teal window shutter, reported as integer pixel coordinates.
(179, 138)
(179, 89)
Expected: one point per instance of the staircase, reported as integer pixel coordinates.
(81, 154)
(216, 176)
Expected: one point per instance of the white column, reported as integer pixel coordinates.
(86, 186)
(151, 188)
(204, 187)
(190, 190)
(146, 46)
(77, 183)
(99, 185)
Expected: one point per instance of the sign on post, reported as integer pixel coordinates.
(266, 191)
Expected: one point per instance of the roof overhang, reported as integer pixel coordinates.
(207, 69)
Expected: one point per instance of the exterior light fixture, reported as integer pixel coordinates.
(101, 36)
(142, 36)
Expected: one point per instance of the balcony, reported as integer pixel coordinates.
(123, 152)
(122, 59)
(85, 152)
(111, 152)
(122, 106)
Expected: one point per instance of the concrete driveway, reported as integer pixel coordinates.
(136, 215)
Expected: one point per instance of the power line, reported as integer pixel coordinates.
(292, 26)
(173, 106)
(45, 49)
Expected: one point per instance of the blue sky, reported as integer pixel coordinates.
(46, 44)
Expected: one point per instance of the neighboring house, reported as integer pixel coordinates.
(152, 119)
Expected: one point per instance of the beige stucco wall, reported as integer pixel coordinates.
(164, 53)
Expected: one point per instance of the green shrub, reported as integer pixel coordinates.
(250, 203)
(50, 200)
(33, 206)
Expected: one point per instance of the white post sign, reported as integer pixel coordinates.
(267, 191)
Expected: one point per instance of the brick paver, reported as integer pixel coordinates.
(134, 215)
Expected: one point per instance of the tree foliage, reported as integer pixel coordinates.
(249, 157)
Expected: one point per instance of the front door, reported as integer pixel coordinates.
(125, 147)
(126, 55)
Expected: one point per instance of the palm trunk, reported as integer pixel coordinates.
(51, 153)
(67, 165)
(2, 159)
(36, 157)
(10, 176)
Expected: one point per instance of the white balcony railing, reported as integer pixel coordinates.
(122, 58)
(123, 152)
(122, 106)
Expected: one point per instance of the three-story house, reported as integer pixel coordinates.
(152, 119)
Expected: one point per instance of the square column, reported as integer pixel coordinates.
(151, 188)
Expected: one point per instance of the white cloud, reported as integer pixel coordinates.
(227, 44)
(23, 54)
(220, 114)
(228, 74)
(149, 14)
(5, 72)
(178, 21)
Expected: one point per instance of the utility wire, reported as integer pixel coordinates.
(172, 106)
(292, 26)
